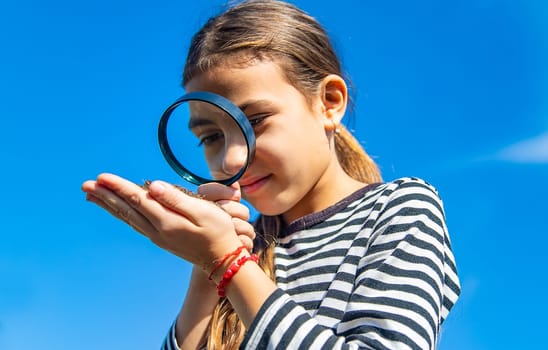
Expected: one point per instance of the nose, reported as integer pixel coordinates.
(235, 158)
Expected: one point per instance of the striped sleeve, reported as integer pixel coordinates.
(407, 281)
(170, 342)
(405, 285)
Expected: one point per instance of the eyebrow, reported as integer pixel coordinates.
(195, 122)
(250, 103)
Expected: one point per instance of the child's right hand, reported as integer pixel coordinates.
(228, 198)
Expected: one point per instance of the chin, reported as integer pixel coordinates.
(268, 207)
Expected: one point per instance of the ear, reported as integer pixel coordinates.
(334, 96)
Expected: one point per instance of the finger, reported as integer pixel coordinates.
(121, 210)
(166, 207)
(243, 227)
(141, 199)
(132, 223)
(196, 210)
(88, 185)
(245, 232)
(133, 194)
(247, 242)
(214, 192)
(107, 200)
(234, 209)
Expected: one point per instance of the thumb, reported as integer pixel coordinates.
(237, 190)
(215, 191)
(176, 200)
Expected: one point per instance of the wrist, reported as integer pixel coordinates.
(222, 265)
(216, 256)
(232, 270)
(216, 267)
(199, 278)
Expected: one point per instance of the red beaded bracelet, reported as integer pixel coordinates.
(235, 267)
(220, 263)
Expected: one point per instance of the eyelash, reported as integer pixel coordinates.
(254, 120)
(209, 139)
(257, 119)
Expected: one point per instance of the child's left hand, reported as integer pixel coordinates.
(228, 198)
(194, 229)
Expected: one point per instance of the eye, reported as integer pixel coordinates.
(209, 139)
(257, 119)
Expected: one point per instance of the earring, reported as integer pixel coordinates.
(335, 127)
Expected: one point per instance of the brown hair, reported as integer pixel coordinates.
(275, 30)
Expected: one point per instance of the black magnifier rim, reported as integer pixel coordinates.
(226, 105)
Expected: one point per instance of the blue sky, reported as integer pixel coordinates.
(454, 92)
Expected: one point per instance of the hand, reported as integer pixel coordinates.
(228, 198)
(194, 229)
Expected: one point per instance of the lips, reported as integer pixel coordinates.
(251, 185)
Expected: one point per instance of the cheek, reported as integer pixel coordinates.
(271, 143)
(268, 157)
(292, 145)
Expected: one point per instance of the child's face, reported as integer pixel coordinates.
(293, 149)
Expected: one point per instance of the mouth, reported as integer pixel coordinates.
(253, 184)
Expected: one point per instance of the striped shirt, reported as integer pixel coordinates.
(374, 271)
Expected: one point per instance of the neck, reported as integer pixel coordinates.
(334, 186)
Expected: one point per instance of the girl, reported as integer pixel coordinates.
(336, 258)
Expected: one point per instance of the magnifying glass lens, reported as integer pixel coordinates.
(207, 142)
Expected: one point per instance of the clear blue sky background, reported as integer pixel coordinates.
(455, 92)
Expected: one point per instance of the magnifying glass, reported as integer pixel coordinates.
(206, 138)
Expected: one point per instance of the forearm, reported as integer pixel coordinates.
(196, 311)
(247, 290)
